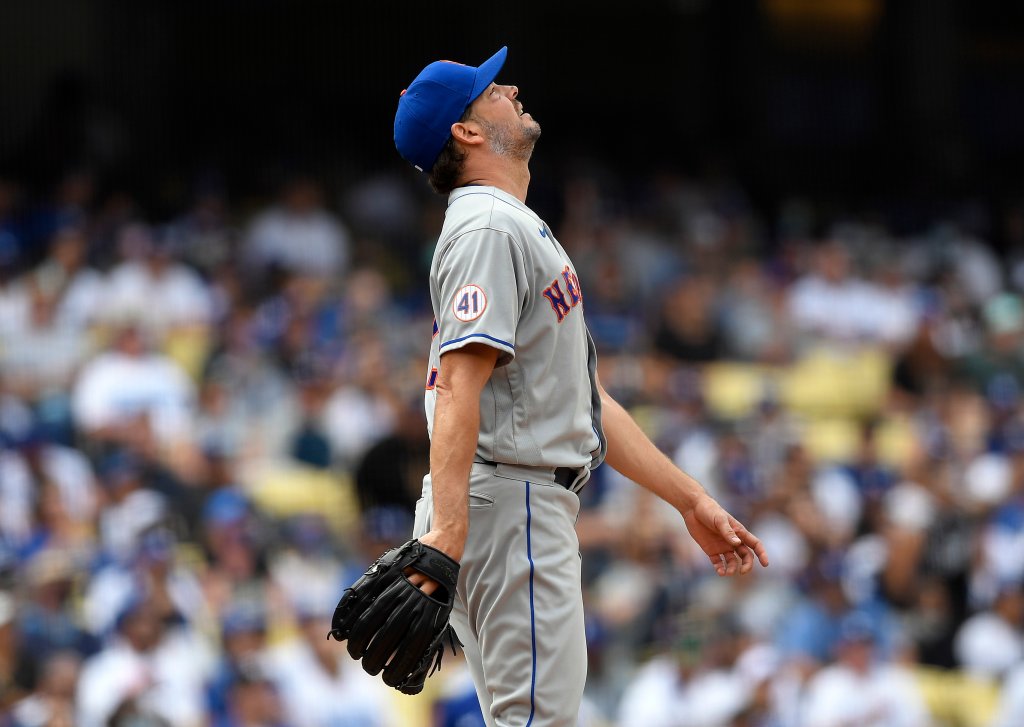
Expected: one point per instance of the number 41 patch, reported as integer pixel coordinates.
(469, 303)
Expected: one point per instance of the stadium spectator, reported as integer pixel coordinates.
(207, 239)
(688, 328)
(826, 303)
(891, 307)
(42, 358)
(244, 655)
(1011, 703)
(755, 322)
(52, 702)
(363, 408)
(66, 282)
(695, 685)
(131, 505)
(321, 685)
(859, 689)
(48, 495)
(175, 590)
(253, 701)
(150, 286)
(48, 623)
(150, 669)
(298, 235)
(134, 395)
(989, 643)
(305, 567)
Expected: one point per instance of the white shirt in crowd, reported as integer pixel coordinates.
(82, 299)
(884, 696)
(1010, 712)
(659, 696)
(987, 646)
(66, 468)
(115, 388)
(354, 419)
(168, 681)
(313, 243)
(853, 309)
(312, 697)
(176, 297)
(15, 308)
(121, 523)
(44, 357)
(115, 585)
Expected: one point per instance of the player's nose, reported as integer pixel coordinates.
(511, 91)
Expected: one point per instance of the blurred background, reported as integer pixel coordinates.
(799, 226)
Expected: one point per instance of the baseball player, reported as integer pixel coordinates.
(517, 416)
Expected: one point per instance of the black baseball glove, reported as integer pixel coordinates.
(391, 624)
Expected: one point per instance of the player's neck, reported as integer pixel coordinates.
(511, 178)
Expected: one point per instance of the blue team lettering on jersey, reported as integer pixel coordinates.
(572, 285)
(557, 298)
(431, 379)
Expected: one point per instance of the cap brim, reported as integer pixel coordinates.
(488, 71)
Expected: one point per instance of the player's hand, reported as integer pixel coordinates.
(450, 546)
(730, 547)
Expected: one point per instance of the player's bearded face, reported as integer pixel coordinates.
(512, 138)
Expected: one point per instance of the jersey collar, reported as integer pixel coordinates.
(493, 191)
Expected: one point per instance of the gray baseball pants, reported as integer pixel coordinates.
(519, 610)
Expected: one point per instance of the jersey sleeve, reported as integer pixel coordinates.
(481, 285)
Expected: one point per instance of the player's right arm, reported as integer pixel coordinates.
(460, 380)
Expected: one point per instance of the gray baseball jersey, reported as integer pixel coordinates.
(499, 277)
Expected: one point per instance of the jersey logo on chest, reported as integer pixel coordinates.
(562, 303)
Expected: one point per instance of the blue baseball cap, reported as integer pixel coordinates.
(434, 101)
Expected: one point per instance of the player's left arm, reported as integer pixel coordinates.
(730, 547)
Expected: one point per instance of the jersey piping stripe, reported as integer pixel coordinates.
(471, 194)
(477, 335)
(533, 617)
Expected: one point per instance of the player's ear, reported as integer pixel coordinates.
(467, 132)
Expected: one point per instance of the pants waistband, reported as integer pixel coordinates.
(570, 478)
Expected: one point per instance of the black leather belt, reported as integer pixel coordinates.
(565, 476)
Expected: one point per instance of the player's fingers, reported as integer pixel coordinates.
(735, 563)
(762, 553)
(727, 529)
(751, 541)
(746, 556)
(421, 581)
(725, 564)
(754, 543)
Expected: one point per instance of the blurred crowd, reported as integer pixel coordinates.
(211, 423)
